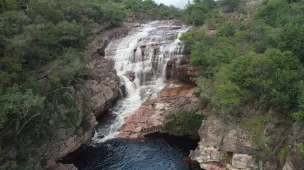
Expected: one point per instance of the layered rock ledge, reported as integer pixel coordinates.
(227, 144)
(153, 115)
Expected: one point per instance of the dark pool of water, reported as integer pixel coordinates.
(140, 154)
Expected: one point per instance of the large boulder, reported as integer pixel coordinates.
(237, 141)
(219, 138)
(211, 133)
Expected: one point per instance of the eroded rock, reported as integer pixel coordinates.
(237, 141)
(211, 133)
(243, 161)
(153, 114)
(219, 138)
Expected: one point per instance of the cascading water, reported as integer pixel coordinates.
(140, 60)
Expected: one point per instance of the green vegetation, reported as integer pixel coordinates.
(301, 149)
(225, 157)
(251, 57)
(42, 63)
(184, 123)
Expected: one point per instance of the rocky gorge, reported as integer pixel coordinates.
(100, 90)
(156, 84)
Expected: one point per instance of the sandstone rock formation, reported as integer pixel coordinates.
(153, 114)
(178, 69)
(219, 138)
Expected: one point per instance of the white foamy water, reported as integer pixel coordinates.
(144, 53)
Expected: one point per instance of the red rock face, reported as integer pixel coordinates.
(182, 71)
(153, 114)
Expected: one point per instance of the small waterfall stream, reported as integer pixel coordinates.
(140, 60)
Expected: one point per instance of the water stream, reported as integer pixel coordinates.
(140, 60)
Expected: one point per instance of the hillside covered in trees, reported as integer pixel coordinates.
(250, 53)
(42, 63)
(251, 57)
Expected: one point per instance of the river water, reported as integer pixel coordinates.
(140, 60)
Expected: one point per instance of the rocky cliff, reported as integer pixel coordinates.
(224, 143)
(99, 90)
(155, 113)
(251, 142)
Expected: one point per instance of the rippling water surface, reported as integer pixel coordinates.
(120, 154)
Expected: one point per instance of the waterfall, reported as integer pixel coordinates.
(140, 60)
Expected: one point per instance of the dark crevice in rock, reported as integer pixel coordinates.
(184, 143)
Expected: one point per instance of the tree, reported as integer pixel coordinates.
(18, 109)
(270, 76)
(292, 39)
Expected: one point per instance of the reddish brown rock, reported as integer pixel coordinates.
(153, 114)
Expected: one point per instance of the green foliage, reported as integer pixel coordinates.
(225, 157)
(184, 123)
(12, 23)
(275, 13)
(254, 60)
(10, 165)
(234, 4)
(211, 52)
(205, 90)
(228, 29)
(298, 116)
(67, 67)
(292, 39)
(8, 5)
(42, 45)
(270, 75)
(229, 94)
(196, 13)
(19, 109)
(301, 149)
(148, 9)
(252, 64)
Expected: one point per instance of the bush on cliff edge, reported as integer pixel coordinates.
(185, 123)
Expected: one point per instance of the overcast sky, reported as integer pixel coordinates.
(178, 3)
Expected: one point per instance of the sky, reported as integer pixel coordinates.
(178, 3)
